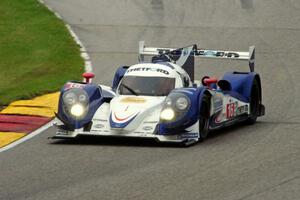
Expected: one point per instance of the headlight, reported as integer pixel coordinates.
(182, 103)
(167, 114)
(75, 103)
(70, 98)
(77, 110)
(175, 107)
(168, 101)
(83, 98)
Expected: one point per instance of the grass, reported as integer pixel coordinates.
(37, 53)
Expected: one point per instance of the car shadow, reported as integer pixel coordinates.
(233, 129)
(114, 141)
(145, 142)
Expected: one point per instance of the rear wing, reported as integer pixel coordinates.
(233, 55)
(201, 53)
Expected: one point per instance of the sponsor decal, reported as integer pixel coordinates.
(188, 136)
(218, 119)
(218, 102)
(62, 132)
(133, 100)
(73, 85)
(147, 128)
(222, 54)
(122, 119)
(100, 120)
(162, 51)
(210, 53)
(242, 109)
(98, 125)
(148, 69)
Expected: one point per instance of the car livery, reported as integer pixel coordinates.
(161, 100)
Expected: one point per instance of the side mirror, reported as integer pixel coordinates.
(209, 81)
(88, 76)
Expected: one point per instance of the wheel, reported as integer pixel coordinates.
(254, 103)
(204, 118)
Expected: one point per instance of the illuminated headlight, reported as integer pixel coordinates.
(77, 110)
(167, 114)
(182, 103)
(75, 103)
(175, 107)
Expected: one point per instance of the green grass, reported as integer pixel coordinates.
(37, 53)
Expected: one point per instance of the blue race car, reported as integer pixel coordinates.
(161, 100)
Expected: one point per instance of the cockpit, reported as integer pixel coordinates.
(146, 86)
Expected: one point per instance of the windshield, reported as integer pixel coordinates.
(147, 86)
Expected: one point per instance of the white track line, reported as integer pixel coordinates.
(27, 137)
(87, 66)
(83, 51)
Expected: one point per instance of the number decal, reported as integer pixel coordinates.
(230, 110)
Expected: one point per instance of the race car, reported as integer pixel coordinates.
(160, 99)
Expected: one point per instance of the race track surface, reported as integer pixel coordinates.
(240, 163)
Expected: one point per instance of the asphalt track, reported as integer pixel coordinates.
(243, 162)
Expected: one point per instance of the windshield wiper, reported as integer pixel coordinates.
(129, 89)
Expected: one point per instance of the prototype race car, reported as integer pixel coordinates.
(161, 100)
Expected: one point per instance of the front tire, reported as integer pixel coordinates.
(204, 118)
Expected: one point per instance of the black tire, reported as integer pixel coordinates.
(204, 118)
(254, 103)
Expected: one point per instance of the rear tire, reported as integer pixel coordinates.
(254, 103)
(204, 118)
